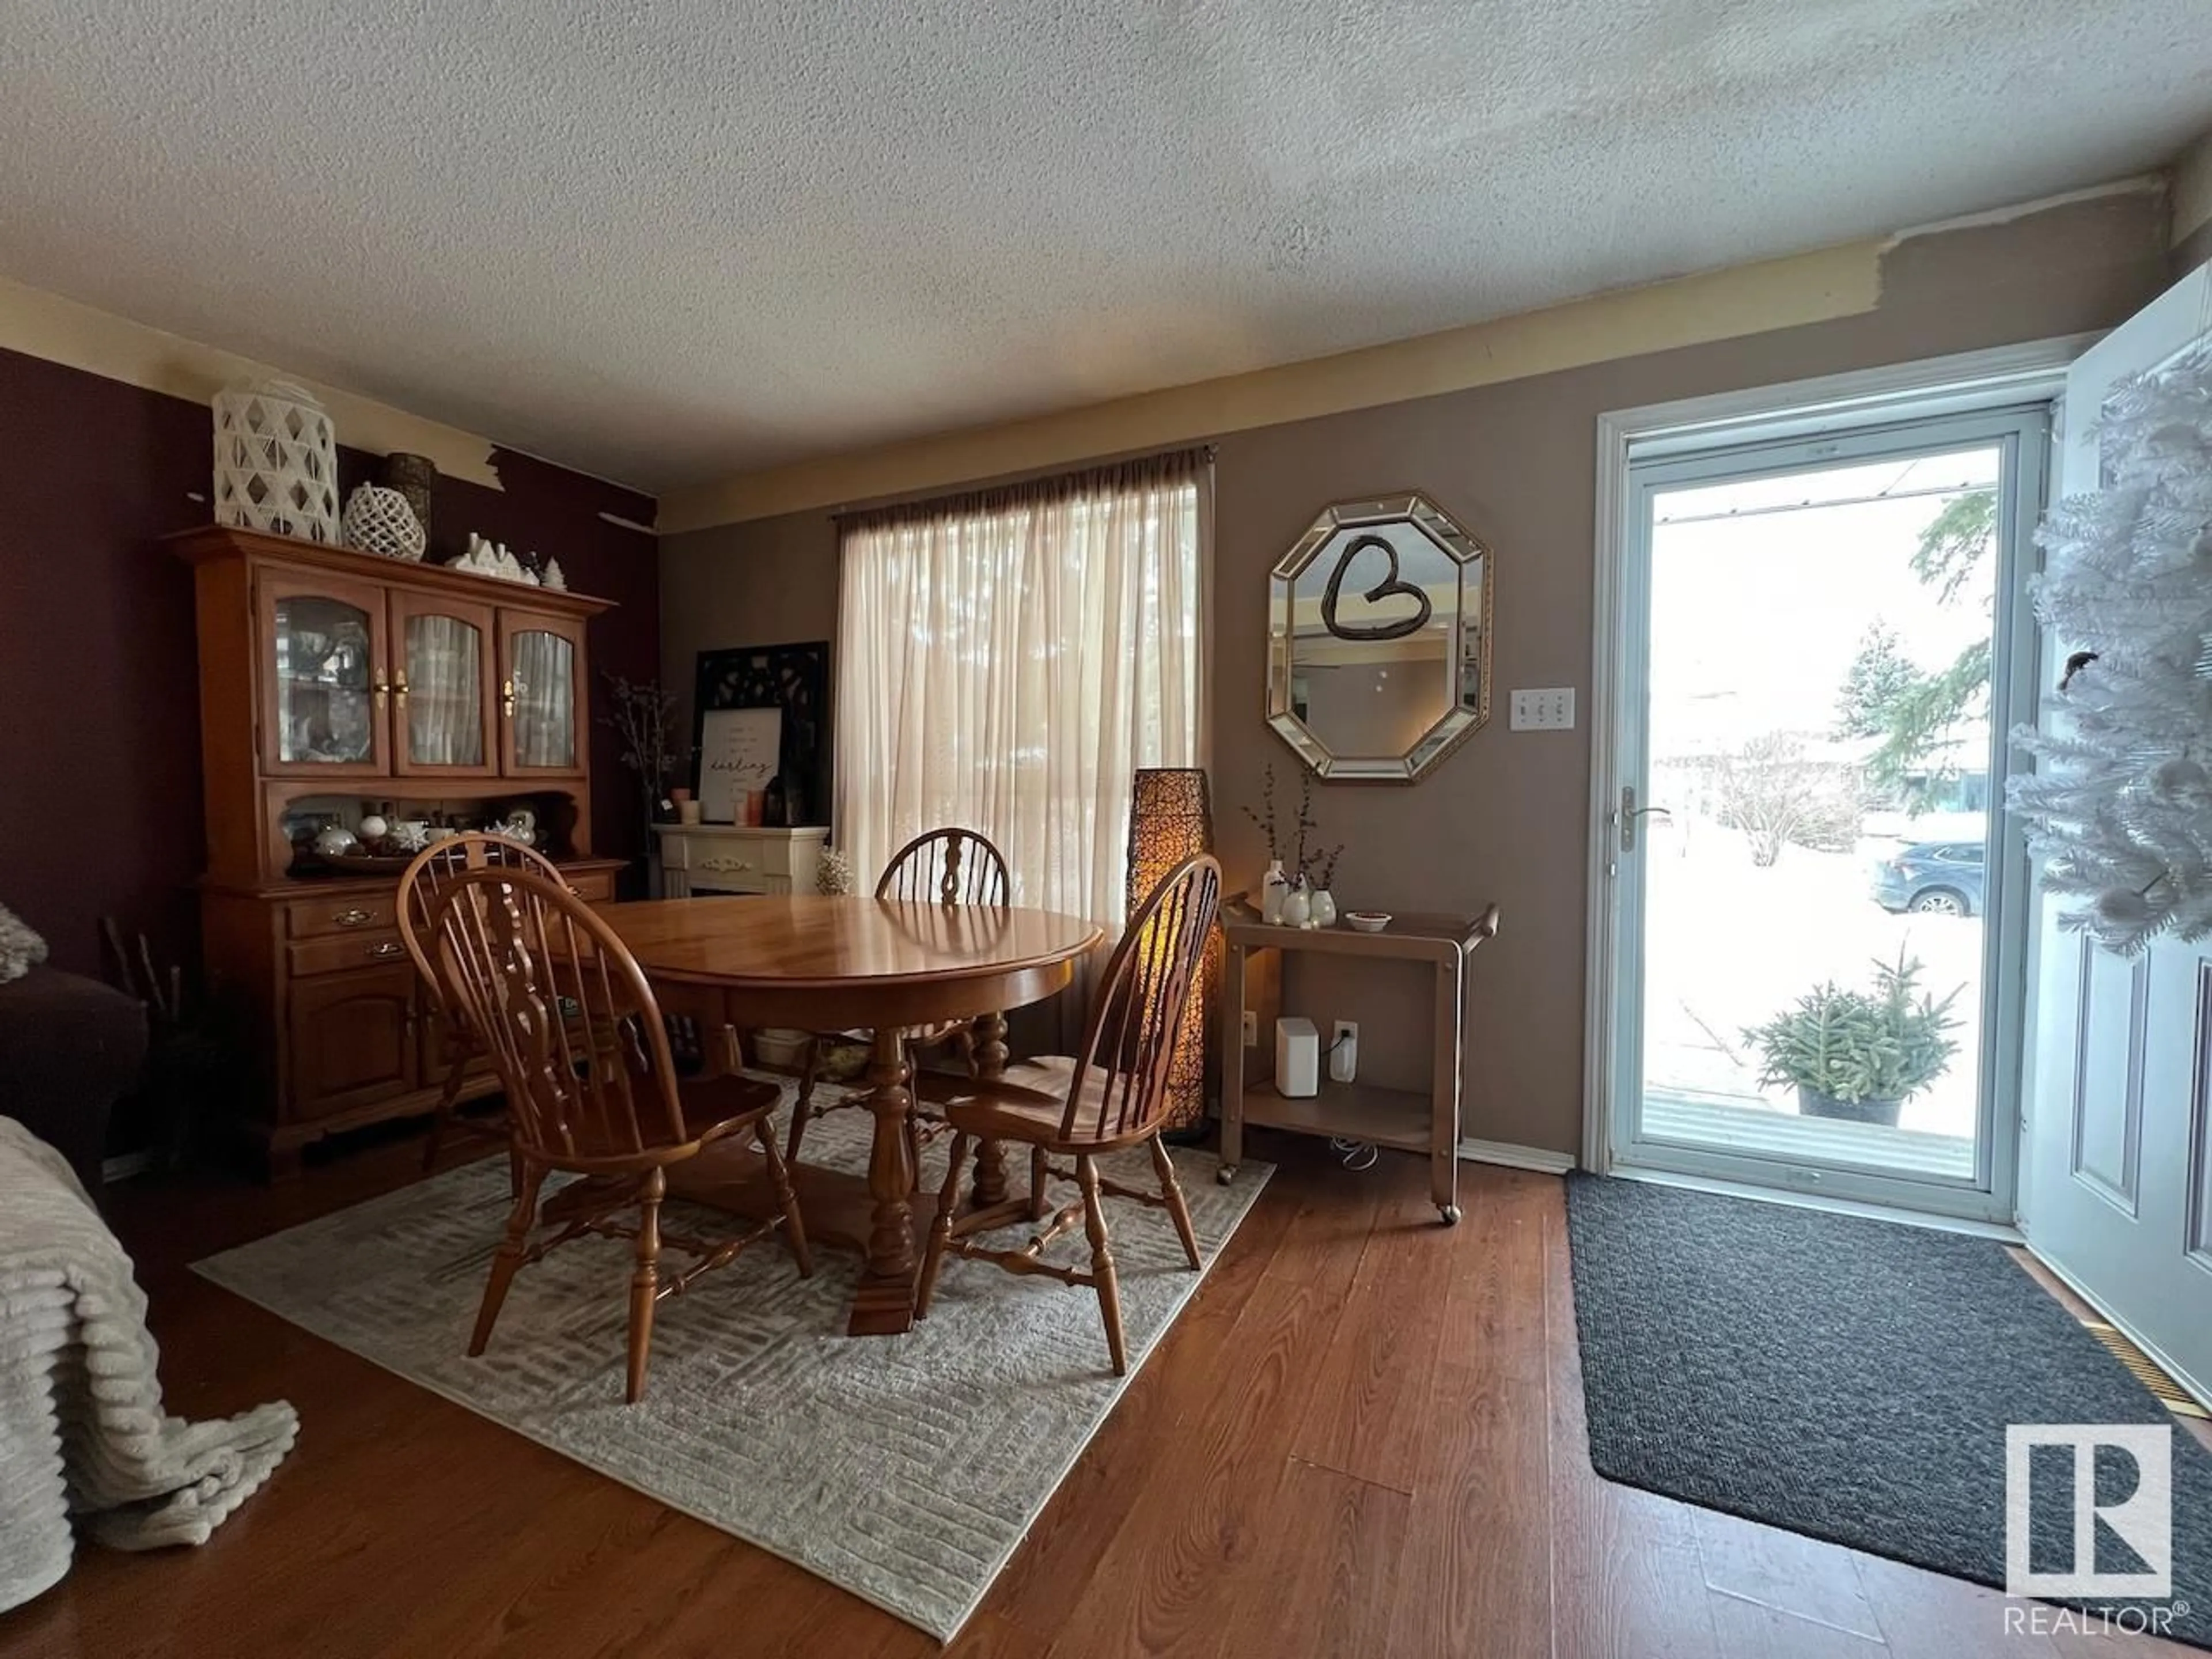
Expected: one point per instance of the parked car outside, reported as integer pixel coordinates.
(1932, 878)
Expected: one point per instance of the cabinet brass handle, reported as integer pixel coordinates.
(507, 698)
(383, 689)
(400, 686)
(386, 948)
(355, 917)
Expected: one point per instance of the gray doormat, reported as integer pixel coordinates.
(1851, 1380)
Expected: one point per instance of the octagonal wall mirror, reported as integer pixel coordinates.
(1378, 640)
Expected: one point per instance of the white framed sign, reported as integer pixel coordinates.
(738, 751)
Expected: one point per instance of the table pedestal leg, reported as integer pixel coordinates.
(884, 1302)
(990, 1189)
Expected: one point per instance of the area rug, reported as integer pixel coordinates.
(1851, 1380)
(905, 1469)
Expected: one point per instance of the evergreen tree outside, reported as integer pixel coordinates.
(1887, 696)
(1880, 675)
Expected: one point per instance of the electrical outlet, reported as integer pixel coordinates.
(1548, 708)
(1251, 1028)
(1344, 1051)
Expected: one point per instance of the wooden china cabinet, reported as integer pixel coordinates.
(329, 679)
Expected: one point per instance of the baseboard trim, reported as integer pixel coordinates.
(1541, 1159)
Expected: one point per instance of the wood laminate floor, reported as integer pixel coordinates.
(1364, 1438)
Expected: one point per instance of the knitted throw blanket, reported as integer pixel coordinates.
(82, 1435)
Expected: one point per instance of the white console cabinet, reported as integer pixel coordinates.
(724, 857)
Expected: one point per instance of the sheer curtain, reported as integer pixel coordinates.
(445, 686)
(1007, 659)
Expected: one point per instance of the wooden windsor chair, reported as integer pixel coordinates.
(431, 872)
(572, 1024)
(944, 867)
(1113, 1095)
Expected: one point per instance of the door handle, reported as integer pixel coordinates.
(1630, 812)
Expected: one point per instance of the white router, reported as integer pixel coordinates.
(1298, 1058)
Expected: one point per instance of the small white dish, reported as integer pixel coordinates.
(1368, 921)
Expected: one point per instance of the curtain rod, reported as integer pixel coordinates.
(896, 503)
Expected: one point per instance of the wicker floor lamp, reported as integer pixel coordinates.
(1170, 819)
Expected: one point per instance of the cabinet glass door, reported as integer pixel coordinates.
(327, 684)
(441, 694)
(542, 693)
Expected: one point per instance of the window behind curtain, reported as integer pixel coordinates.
(1005, 662)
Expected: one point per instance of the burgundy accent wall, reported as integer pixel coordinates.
(100, 745)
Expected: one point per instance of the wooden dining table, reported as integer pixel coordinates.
(887, 966)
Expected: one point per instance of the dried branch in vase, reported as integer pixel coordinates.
(643, 717)
(1306, 820)
(1267, 823)
(1325, 865)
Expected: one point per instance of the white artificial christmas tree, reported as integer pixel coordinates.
(2120, 809)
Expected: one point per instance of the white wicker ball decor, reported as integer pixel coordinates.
(380, 520)
(276, 461)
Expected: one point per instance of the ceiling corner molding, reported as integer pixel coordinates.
(1742, 300)
(2191, 196)
(62, 331)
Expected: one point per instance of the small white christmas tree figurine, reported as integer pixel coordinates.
(2121, 808)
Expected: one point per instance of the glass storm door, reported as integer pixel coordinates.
(326, 684)
(1821, 928)
(442, 692)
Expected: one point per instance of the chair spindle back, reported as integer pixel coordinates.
(1144, 998)
(950, 867)
(435, 868)
(558, 1001)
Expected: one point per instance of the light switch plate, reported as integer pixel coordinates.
(1549, 708)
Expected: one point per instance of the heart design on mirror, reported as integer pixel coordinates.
(1394, 630)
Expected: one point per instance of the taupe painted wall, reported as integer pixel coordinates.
(773, 582)
(2189, 194)
(1505, 817)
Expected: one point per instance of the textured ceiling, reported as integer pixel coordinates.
(668, 242)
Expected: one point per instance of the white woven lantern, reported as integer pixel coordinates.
(380, 520)
(276, 461)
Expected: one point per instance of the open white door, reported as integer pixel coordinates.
(2120, 1113)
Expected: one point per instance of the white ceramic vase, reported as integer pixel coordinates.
(1297, 907)
(1323, 904)
(1272, 890)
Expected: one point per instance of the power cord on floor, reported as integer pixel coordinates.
(1353, 1154)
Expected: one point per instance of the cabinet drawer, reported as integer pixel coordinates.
(342, 913)
(731, 860)
(592, 886)
(337, 953)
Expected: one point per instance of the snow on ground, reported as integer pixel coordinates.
(1729, 945)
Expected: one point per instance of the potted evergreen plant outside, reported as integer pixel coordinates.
(1859, 1055)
